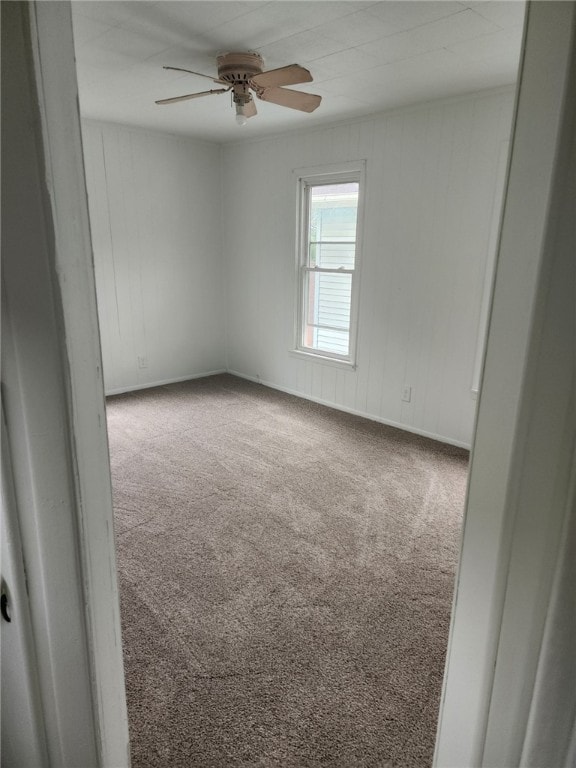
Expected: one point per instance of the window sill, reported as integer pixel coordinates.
(347, 365)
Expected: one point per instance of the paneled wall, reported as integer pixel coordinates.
(184, 261)
(155, 216)
(432, 176)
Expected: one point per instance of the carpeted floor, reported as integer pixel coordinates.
(286, 577)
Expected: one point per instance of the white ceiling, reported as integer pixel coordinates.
(365, 57)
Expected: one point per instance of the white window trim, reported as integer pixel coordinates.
(328, 174)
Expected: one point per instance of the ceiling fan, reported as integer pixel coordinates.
(242, 73)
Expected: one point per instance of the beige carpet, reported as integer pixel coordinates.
(286, 576)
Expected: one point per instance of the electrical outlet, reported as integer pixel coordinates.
(142, 362)
(407, 394)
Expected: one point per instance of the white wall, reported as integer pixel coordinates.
(179, 257)
(431, 183)
(155, 216)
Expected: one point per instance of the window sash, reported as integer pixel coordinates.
(316, 306)
(306, 270)
(327, 304)
(337, 271)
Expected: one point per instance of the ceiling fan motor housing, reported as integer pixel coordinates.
(239, 68)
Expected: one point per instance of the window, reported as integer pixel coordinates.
(328, 263)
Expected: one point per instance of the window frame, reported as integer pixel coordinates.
(306, 179)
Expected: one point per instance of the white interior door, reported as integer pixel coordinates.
(22, 734)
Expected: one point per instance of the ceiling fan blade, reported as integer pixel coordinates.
(305, 102)
(293, 74)
(250, 109)
(174, 99)
(191, 72)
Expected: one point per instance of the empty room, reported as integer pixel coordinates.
(294, 212)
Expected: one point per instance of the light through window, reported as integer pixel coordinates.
(328, 266)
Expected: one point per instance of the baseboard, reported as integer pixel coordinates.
(135, 387)
(354, 412)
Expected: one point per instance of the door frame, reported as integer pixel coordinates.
(53, 394)
(483, 620)
(520, 490)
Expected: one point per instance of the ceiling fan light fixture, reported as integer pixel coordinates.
(241, 118)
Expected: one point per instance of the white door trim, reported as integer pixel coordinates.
(519, 484)
(54, 396)
(54, 59)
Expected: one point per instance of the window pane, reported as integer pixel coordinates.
(329, 245)
(328, 340)
(327, 315)
(332, 255)
(333, 212)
